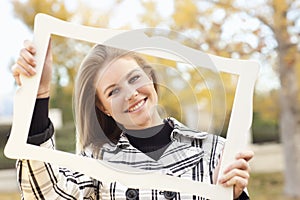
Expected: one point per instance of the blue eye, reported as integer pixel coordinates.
(134, 78)
(114, 91)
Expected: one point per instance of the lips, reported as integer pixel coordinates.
(136, 105)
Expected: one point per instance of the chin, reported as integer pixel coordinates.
(139, 123)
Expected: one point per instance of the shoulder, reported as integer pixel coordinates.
(184, 131)
(213, 145)
(214, 140)
(181, 131)
(207, 141)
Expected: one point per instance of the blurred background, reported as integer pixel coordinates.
(264, 30)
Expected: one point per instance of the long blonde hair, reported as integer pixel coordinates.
(93, 127)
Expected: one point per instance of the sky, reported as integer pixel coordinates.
(13, 33)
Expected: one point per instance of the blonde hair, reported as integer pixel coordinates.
(93, 127)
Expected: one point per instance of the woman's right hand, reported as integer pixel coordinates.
(26, 63)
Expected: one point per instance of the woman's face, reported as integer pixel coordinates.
(127, 94)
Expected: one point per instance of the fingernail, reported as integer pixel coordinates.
(33, 70)
(221, 180)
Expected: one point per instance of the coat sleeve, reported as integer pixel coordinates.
(39, 180)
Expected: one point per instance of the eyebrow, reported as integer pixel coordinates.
(127, 76)
(113, 85)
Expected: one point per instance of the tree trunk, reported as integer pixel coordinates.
(290, 127)
(289, 104)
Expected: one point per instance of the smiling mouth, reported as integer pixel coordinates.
(136, 106)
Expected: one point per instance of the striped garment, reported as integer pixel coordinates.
(191, 155)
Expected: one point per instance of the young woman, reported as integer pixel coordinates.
(117, 121)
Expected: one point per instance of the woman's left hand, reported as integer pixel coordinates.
(237, 174)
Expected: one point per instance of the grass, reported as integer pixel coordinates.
(267, 186)
(263, 186)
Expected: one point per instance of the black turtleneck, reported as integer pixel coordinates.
(152, 141)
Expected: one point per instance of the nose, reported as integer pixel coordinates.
(131, 95)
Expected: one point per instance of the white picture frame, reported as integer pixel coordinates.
(239, 124)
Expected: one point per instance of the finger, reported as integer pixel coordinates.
(238, 164)
(246, 155)
(28, 57)
(233, 174)
(29, 46)
(239, 185)
(18, 80)
(238, 182)
(17, 70)
(25, 67)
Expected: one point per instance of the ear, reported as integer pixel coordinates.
(101, 107)
(150, 77)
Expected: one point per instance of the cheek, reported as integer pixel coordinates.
(150, 90)
(105, 104)
(115, 105)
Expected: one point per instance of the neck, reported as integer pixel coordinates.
(155, 120)
(152, 141)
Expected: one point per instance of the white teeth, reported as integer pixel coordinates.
(137, 106)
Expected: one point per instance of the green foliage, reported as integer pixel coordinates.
(264, 130)
(65, 138)
(265, 125)
(63, 101)
(5, 162)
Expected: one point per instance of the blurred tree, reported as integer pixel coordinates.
(265, 117)
(150, 20)
(67, 53)
(26, 11)
(264, 30)
(288, 65)
(268, 103)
